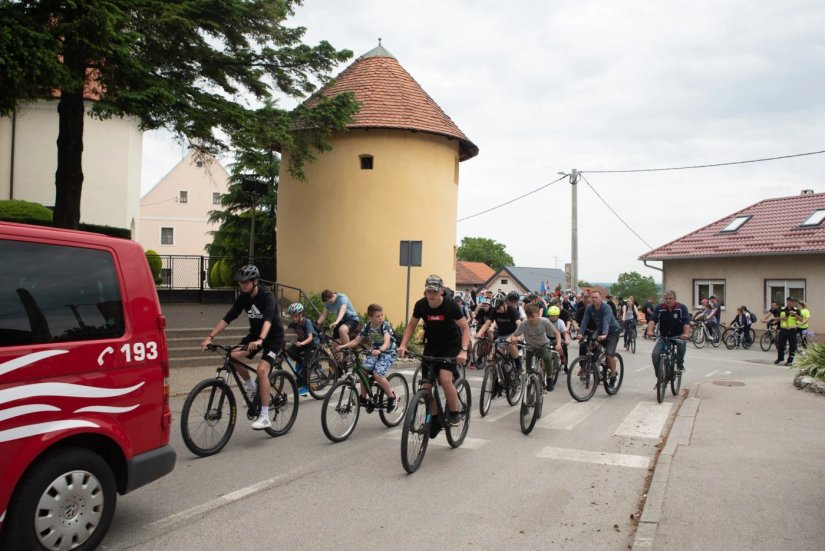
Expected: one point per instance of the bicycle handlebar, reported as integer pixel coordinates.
(228, 349)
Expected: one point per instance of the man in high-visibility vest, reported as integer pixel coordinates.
(806, 316)
(789, 316)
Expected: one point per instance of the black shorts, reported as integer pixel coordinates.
(352, 323)
(610, 343)
(270, 348)
(430, 369)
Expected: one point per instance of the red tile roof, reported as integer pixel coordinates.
(391, 98)
(472, 273)
(773, 229)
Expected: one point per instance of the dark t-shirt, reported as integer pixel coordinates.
(671, 322)
(259, 309)
(506, 321)
(303, 330)
(482, 316)
(579, 317)
(441, 332)
(648, 310)
(564, 316)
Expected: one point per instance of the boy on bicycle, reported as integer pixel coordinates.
(506, 320)
(306, 339)
(446, 335)
(380, 340)
(536, 331)
(265, 333)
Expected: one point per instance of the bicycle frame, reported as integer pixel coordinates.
(368, 380)
(229, 365)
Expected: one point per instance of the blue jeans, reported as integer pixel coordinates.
(660, 347)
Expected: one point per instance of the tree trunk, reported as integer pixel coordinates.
(68, 181)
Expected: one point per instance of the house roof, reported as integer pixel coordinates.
(472, 273)
(772, 227)
(530, 278)
(391, 98)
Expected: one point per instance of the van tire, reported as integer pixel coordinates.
(92, 501)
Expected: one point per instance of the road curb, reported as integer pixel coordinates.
(679, 435)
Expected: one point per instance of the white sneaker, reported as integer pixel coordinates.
(262, 423)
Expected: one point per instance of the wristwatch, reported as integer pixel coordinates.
(464, 349)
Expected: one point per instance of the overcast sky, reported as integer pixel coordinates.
(543, 87)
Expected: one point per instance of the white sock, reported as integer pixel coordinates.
(264, 411)
(250, 385)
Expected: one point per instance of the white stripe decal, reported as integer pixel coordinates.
(23, 361)
(597, 458)
(25, 410)
(43, 428)
(105, 409)
(63, 389)
(3, 516)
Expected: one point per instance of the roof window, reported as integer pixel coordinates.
(815, 219)
(735, 224)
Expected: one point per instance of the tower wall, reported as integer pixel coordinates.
(340, 228)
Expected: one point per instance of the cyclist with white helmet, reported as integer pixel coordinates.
(265, 333)
(306, 339)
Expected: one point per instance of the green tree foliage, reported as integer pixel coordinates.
(24, 210)
(198, 68)
(155, 264)
(583, 283)
(636, 285)
(481, 249)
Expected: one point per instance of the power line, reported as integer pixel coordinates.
(511, 200)
(703, 166)
(614, 212)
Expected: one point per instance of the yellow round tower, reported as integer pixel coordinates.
(392, 176)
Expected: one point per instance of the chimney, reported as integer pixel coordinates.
(807, 192)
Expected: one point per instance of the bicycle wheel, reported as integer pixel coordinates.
(675, 382)
(514, 384)
(321, 375)
(633, 341)
(208, 417)
(556, 368)
(283, 402)
(661, 378)
(488, 387)
(752, 336)
(416, 432)
(530, 399)
(715, 337)
(416, 378)
(730, 339)
(398, 384)
(455, 435)
(619, 376)
(699, 337)
(765, 341)
(340, 411)
(581, 379)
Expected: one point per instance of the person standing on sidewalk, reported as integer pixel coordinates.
(789, 316)
(266, 332)
(674, 322)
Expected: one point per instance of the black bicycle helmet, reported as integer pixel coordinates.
(513, 296)
(247, 273)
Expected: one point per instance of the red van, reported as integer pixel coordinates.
(84, 384)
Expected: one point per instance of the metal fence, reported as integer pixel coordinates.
(189, 272)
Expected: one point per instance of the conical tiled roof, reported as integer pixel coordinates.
(391, 98)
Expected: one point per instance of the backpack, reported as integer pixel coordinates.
(753, 317)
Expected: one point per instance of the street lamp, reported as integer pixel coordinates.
(255, 187)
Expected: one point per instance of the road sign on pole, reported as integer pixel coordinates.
(409, 255)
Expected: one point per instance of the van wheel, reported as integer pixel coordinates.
(65, 501)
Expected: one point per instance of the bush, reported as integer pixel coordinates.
(226, 273)
(24, 211)
(811, 361)
(155, 265)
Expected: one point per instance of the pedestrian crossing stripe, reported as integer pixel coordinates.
(441, 440)
(645, 421)
(596, 458)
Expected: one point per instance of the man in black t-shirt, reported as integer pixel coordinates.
(648, 311)
(266, 332)
(446, 335)
(674, 322)
(506, 321)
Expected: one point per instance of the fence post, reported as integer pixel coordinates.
(200, 278)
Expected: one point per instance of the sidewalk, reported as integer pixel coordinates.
(743, 468)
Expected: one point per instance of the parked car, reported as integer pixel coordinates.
(84, 384)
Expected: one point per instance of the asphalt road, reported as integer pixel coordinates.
(573, 483)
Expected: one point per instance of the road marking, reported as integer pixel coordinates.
(645, 421)
(568, 416)
(641, 369)
(718, 372)
(597, 458)
(441, 440)
(494, 416)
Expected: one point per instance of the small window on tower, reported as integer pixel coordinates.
(366, 162)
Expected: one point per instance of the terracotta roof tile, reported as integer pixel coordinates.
(391, 98)
(774, 228)
(472, 273)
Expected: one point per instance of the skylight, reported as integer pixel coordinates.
(736, 223)
(815, 219)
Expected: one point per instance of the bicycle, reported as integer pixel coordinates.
(532, 395)
(320, 370)
(501, 375)
(768, 338)
(209, 413)
(341, 408)
(666, 372)
(734, 338)
(417, 373)
(416, 430)
(592, 367)
(630, 339)
(701, 335)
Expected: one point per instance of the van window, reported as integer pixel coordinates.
(51, 293)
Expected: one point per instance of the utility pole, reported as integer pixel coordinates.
(574, 234)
